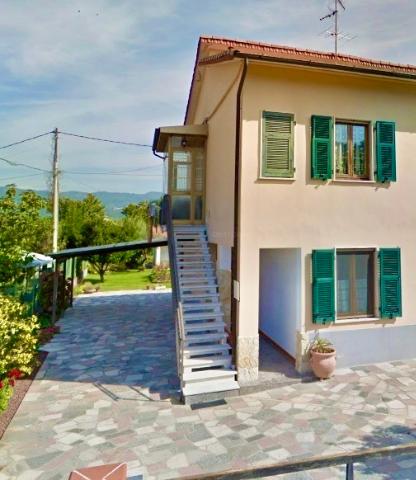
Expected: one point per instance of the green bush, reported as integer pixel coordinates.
(18, 337)
(160, 274)
(6, 391)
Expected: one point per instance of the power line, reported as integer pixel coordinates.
(21, 176)
(16, 164)
(106, 140)
(113, 172)
(25, 140)
(116, 174)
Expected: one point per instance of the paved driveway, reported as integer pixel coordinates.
(105, 395)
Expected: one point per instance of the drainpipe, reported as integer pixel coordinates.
(235, 254)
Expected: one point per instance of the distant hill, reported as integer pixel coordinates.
(113, 201)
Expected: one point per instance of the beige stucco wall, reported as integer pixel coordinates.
(214, 82)
(310, 214)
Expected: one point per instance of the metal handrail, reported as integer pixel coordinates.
(312, 463)
(177, 307)
(167, 213)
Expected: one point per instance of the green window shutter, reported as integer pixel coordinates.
(323, 286)
(277, 148)
(321, 147)
(386, 151)
(390, 283)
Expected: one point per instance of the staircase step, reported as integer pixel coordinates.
(182, 262)
(193, 272)
(204, 327)
(205, 337)
(192, 364)
(209, 387)
(198, 295)
(209, 375)
(187, 228)
(189, 236)
(190, 307)
(197, 281)
(191, 316)
(198, 288)
(222, 348)
(195, 254)
(192, 247)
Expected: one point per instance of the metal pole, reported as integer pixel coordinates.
(349, 471)
(55, 193)
(55, 292)
(72, 279)
(336, 27)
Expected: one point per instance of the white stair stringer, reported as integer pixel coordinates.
(206, 359)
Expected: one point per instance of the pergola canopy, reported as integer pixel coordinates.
(103, 249)
(162, 134)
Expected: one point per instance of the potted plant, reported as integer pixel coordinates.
(322, 357)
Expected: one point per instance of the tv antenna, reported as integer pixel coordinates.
(335, 32)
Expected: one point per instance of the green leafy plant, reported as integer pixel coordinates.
(88, 287)
(160, 274)
(6, 392)
(23, 229)
(18, 337)
(321, 345)
(46, 292)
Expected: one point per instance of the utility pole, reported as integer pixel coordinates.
(55, 215)
(55, 193)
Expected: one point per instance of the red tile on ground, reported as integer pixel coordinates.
(114, 471)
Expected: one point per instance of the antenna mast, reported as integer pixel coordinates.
(334, 13)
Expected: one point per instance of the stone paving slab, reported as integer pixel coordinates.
(108, 393)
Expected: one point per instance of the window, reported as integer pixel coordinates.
(350, 140)
(343, 284)
(352, 150)
(355, 283)
(277, 146)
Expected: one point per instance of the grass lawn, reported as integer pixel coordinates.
(129, 280)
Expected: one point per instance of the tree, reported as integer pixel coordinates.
(102, 232)
(83, 223)
(24, 228)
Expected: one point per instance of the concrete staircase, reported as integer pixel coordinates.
(205, 356)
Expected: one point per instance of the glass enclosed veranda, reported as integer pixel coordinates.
(184, 149)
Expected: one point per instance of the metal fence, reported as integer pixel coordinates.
(27, 293)
(341, 459)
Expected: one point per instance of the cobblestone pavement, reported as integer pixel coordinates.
(106, 393)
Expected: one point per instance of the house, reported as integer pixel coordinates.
(300, 165)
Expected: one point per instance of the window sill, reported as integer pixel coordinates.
(344, 321)
(347, 180)
(276, 179)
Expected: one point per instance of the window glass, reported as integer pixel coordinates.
(343, 283)
(363, 272)
(181, 207)
(341, 148)
(351, 150)
(355, 283)
(182, 177)
(359, 149)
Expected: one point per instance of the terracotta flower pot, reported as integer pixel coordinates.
(323, 364)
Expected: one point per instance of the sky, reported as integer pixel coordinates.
(118, 69)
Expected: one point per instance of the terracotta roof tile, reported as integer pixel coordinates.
(303, 55)
(226, 49)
